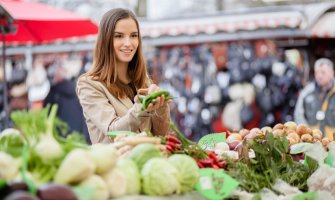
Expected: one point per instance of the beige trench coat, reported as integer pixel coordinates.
(104, 112)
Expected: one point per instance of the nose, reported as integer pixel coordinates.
(126, 41)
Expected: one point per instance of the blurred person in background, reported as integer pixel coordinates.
(63, 93)
(108, 91)
(38, 85)
(316, 103)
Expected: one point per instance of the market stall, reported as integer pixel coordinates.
(288, 160)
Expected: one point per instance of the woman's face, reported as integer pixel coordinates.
(324, 76)
(126, 39)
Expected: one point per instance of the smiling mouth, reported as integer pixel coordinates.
(126, 51)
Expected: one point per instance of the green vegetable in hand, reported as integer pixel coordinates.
(151, 98)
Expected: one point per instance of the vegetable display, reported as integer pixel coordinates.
(50, 165)
(38, 161)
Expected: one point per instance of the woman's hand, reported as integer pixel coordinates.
(160, 101)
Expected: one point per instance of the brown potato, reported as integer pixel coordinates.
(317, 133)
(266, 129)
(278, 126)
(306, 138)
(303, 129)
(292, 141)
(290, 125)
(278, 132)
(294, 135)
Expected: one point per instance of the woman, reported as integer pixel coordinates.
(108, 92)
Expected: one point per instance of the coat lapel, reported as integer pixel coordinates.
(126, 102)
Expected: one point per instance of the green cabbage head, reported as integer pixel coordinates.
(159, 178)
(143, 152)
(132, 174)
(188, 171)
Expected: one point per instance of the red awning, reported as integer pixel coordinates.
(324, 27)
(223, 23)
(39, 23)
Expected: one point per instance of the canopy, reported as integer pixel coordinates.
(324, 27)
(223, 23)
(40, 23)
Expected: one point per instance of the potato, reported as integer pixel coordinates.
(306, 138)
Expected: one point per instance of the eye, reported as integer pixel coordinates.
(118, 36)
(134, 35)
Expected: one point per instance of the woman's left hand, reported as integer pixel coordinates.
(160, 101)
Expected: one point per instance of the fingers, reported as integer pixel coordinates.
(143, 91)
(160, 101)
(152, 88)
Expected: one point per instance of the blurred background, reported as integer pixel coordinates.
(231, 64)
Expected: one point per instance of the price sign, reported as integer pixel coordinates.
(300, 148)
(208, 142)
(330, 159)
(215, 184)
(305, 196)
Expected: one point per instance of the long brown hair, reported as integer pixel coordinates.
(104, 61)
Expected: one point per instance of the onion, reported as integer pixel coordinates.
(233, 144)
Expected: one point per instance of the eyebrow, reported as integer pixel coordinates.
(123, 33)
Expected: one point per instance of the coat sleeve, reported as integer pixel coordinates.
(299, 111)
(161, 121)
(102, 114)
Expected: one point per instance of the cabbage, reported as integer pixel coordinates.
(159, 177)
(143, 152)
(132, 175)
(99, 185)
(188, 171)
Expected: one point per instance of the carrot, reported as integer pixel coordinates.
(124, 149)
(133, 141)
(120, 137)
(119, 144)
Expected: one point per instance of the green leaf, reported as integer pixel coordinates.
(31, 186)
(3, 183)
(113, 134)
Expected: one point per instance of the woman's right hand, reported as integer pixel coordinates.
(160, 101)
